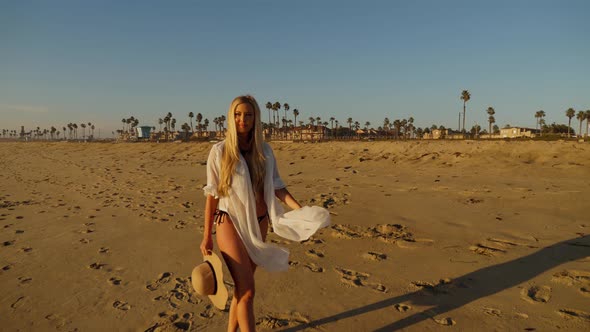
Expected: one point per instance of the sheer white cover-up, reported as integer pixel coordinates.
(240, 204)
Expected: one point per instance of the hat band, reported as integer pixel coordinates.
(214, 277)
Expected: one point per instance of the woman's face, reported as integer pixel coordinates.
(244, 117)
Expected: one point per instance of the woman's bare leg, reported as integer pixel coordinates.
(240, 266)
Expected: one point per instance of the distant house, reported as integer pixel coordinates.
(515, 132)
(435, 134)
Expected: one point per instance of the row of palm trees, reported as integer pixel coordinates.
(539, 116)
(69, 131)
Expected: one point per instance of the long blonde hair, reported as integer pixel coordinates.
(231, 152)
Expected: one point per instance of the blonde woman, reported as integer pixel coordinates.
(242, 183)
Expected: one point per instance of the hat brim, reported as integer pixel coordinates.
(220, 297)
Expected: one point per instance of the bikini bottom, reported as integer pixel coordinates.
(219, 216)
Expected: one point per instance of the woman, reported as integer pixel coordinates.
(242, 183)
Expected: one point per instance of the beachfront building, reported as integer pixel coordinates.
(444, 134)
(516, 132)
(143, 132)
(313, 133)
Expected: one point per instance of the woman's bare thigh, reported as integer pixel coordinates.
(234, 253)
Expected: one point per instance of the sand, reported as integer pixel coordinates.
(426, 236)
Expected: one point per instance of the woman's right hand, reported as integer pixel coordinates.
(207, 246)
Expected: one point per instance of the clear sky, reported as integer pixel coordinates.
(101, 61)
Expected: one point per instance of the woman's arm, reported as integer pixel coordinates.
(210, 207)
(285, 196)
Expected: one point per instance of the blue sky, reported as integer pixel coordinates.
(101, 61)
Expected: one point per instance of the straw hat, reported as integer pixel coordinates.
(207, 279)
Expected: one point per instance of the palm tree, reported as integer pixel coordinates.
(570, 114)
(349, 121)
(269, 108)
(275, 117)
(367, 124)
(332, 119)
(465, 96)
(318, 122)
(541, 120)
(169, 117)
(185, 128)
(286, 107)
(581, 116)
(587, 121)
(491, 118)
(295, 114)
(124, 122)
(386, 126)
(92, 127)
(397, 124)
(160, 122)
(64, 131)
(199, 119)
(190, 116)
(538, 117)
(83, 125)
(221, 125)
(206, 124)
(311, 120)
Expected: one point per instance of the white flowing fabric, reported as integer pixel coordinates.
(240, 204)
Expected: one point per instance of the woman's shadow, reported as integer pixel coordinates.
(472, 286)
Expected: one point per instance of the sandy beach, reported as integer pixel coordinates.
(425, 236)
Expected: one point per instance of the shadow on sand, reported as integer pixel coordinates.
(470, 287)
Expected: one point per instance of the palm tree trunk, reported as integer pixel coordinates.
(463, 115)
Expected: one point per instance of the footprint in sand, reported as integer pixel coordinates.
(492, 311)
(170, 321)
(121, 305)
(312, 241)
(281, 320)
(24, 280)
(536, 294)
(315, 253)
(402, 307)
(85, 241)
(114, 281)
(180, 224)
(574, 314)
(208, 313)
(7, 267)
(447, 321)
(441, 288)
(314, 267)
(414, 243)
(162, 279)
(375, 256)
(96, 266)
(8, 243)
(21, 302)
(576, 278)
(487, 250)
(359, 279)
(103, 250)
(57, 321)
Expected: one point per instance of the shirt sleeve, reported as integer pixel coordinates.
(276, 177)
(213, 173)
